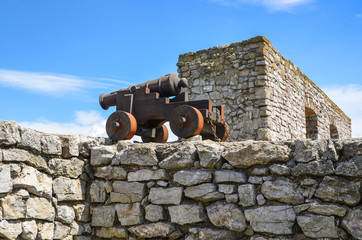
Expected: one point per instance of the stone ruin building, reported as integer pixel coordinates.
(266, 97)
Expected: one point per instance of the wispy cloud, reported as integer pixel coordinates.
(348, 98)
(359, 15)
(271, 5)
(55, 83)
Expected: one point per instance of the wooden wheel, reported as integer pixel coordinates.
(222, 132)
(186, 121)
(121, 126)
(161, 135)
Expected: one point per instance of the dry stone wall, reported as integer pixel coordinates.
(73, 187)
(266, 97)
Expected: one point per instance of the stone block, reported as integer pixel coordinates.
(206, 192)
(209, 153)
(67, 189)
(247, 195)
(227, 188)
(19, 155)
(103, 216)
(155, 230)
(14, 207)
(71, 146)
(102, 155)
(180, 156)
(76, 229)
(10, 229)
(315, 226)
(112, 232)
(128, 192)
(189, 178)
(30, 139)
(82, 212)
(30, 230)
(45, 230)
(129, 214)
(313, 168)
(328, 210)
(111, 173)
(97, 192)
(154, 213)
(9, 133)
(187, 214)
(72, 168)
(216, 234)
(61, 231)
(165, 195)
(226, 215)
(351, 168)
(279, 169)
(230, 176)
(6, 185)
(51, 144)
(282, 190)
(65, 214)
(352, 222)
(136, 154)
(147, 175)
(40, 208)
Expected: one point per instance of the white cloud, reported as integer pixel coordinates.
(359, 15)
(349, 99)
(54, 83)
(271, 5)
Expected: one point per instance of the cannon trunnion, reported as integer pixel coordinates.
(144, 108)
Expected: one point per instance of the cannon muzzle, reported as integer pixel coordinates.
(167, 86)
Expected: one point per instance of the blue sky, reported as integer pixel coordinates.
(56, 57)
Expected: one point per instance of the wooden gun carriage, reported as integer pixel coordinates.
(144, 108)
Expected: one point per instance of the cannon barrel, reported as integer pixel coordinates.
(167, 86)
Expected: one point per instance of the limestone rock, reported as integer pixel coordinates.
(352, 222)
(19, 155)
(187, 214)
(61, 230)
(72, 168)
(51, 144)
(9, 133)
(112, 232)
(183, 156)
(30, 230)
(40, 208)
(247, 195)
(147, 175)
(30, 139)
(102, 155)
(71, 146)
(216, 234)
(340, 190)
(68, 189)
(10, 229)
(103, 216)
(128, 192)
(274, 219)
(308, 187)
(6, 185)
(136, 154)
(227, 188)
(129, 214)
(153, 230)
(327, 209)
(249, 153)
(314, 150)
(166, 195)
(189, 178)
(315, 226)
(82, 212)
(65, 214)
(230, 176)
(352, 168)
(352, 148)
(97, 192)
(209, 153)
(111, 173)
(226, 215)
(279, 169)
(206, 192)
(282, 190)
(13, 207)
(314, 168)
(76, 229)
(45, 230)
(154, 213)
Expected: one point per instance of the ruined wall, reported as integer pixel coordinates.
(265, 95)
(52, 189)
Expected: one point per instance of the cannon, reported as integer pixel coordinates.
(144, 108)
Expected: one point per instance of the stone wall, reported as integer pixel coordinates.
(74, 187)
(266, 96)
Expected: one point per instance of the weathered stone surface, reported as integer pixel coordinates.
(308, 187)
(317, 226)
(10, 229)
(30, 230)
(61, 230)
(279, 169)
(33, 181)
(45, 230)
(226, 215)
(187, 214)
(102, 155)
(136, 154)
(9, 133)
(230, 176)
(111, 172)
(76, 229)
(231, 198)
(82, 212)
(112, 232)
(314, 168)
(129, 214)
(206, 192)
(128, 192)
(249, 153)
(51, 144)
(273, 219)
(282, 190)
(312, 150)
(182, 156)
(40, 208)
(103, 216)
(30, 138)
(260, 171)
(189, 178)
(97, 192)
(70, 147)
(165, 195)
(6, 185)
(147, 175)
(340, 190)
(153, 230)
(352, 148)
(19, 155)
(154, 213)
(72, 168)
(216, 234)
(352, 168)
(247, 195)
(327, 209)
(68, 189)
(65, 214)
(352, 222)
(209, 153)
(227, 188)
(13, 207)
